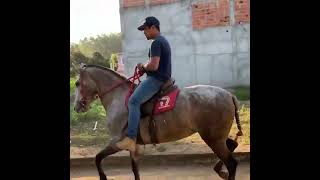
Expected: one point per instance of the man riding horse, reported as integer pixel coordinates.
(179, 113)
(158, 70)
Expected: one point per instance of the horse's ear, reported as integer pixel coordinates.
(83, 66)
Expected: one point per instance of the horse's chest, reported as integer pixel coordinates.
(115, 119)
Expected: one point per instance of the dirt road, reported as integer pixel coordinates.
(187, 172)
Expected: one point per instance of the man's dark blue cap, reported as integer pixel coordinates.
(149, 21)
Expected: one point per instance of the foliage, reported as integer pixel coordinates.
(94, 50)
(114, 62)
(242, 93)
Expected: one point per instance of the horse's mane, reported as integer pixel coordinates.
(107, 69)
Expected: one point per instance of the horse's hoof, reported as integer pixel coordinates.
(218, 167)
(103, 177)
(224, 175)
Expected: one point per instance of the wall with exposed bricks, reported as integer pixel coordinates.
(209, 38)
(132, 3)
(158, 2)
(242, 11)
(210, 14)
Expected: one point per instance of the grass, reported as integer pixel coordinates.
(242, 93)
(244, 114)
(83, 134)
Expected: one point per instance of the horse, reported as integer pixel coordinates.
(203, 109)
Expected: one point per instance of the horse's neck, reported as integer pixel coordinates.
(116, 96)
(104, 82)
(114, 103)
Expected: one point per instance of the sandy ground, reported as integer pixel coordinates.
(188, 172)
(160, 149)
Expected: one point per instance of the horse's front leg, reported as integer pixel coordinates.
(110, 149)
(135, 157)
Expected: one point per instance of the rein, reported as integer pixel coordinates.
(131, 79)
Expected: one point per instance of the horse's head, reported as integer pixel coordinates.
(86, 91)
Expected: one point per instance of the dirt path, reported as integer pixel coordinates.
(191, 145)
(169, 148)
(189, 172)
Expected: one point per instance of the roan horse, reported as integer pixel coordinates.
(202, 109)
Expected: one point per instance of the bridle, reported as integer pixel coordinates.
(132, 79)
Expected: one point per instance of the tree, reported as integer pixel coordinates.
(76, 58)
(114, 62)
(104, 44)
(98, 59)
(95, 50)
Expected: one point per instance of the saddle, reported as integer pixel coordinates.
(162, 101)
(147, 109)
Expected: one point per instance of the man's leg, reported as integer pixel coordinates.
(143, 93)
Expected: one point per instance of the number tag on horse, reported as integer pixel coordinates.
(166, 103)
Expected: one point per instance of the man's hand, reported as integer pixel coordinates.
(141, 69)
(140, 66)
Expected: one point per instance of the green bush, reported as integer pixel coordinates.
(242, 93)
(95, 113)
(72, 85)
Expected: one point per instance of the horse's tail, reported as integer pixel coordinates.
(236, 114)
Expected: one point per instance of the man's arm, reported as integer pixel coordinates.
(152, 64)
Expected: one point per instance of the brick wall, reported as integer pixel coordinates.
(206, 14)
(242, 11)
(132, 3)
(157, 2)
(210, 14)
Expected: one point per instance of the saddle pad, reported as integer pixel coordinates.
(166, 103)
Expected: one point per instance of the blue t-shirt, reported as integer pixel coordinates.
(160, 47)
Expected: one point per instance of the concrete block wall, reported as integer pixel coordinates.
(209, 39)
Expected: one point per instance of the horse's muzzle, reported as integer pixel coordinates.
(78, 108)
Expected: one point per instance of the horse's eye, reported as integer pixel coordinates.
(77, 83)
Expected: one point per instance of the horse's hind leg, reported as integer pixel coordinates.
(101, 155)
(220, 148)
(232, 145)
(135, 163)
